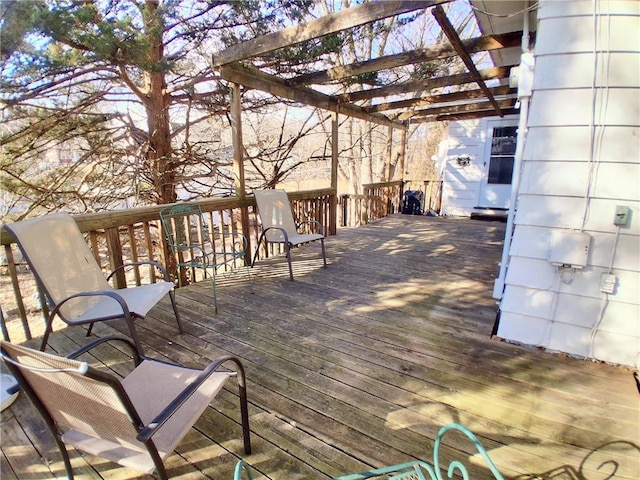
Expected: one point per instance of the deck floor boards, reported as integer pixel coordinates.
(358, 365)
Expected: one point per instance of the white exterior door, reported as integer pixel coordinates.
(495, 190)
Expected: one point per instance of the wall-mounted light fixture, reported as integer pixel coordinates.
(463, 160)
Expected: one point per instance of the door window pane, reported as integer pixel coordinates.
(503, 149)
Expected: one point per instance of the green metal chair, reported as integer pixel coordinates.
(416, 470)
(189, 237)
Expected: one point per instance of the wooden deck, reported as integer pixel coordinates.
(358, 366)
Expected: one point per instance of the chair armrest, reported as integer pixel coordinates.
(148, 431)
(137, 357)
(158, 265)
(98, 293)
(284, 232)
(242, 471)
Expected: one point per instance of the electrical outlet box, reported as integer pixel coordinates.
(608, 283)
(622, 216)
(569, 248)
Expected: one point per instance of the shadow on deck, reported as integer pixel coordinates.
(358, 366)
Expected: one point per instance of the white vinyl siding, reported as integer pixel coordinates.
(581, 159)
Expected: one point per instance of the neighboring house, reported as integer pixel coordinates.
(569, 280)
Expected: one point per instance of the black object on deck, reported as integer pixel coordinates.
(412, 202)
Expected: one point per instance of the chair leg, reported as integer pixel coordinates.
(134, 334)
(324, 255)
(65, 457)
(244, 413)
(244, 406)
(249, 278)
(157, 461)
(255, 255)
(172, 296)
(287, 248)
(215, 298)
(47, 331)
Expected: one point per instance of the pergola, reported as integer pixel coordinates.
(394, 106)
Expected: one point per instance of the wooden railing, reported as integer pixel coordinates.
(377, 201)
(386, 198)
(124, 236)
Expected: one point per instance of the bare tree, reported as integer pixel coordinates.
(278, 143)
(121, 84)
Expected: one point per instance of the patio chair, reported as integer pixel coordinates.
(278, 225)
(189, 239)
(136, 421)
(73, 282)
(416, 470)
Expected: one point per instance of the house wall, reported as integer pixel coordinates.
(461, 184)
(581, 159)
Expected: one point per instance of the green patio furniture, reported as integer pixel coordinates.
(189, 236)
(415, 470)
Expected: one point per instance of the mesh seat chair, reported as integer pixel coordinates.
(73, 282)
(278, 225)
(136, 421)
(189, 239)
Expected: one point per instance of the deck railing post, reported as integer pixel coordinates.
(114, 247)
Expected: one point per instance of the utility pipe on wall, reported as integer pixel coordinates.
(525, 81)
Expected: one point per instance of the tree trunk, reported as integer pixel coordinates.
(159, 154)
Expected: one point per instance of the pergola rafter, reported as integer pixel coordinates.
(453, 37)
(493, 73)
(254, 78)
(484, 43)
(332, 23)
(409, 105)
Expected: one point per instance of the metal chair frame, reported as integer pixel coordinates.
(190, 239)
(56, 369)
(415, 470)
(77, 285)
(279, 226)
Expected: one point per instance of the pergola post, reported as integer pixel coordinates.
(333, 201)
(402, 154)
(388, 174)
(401, 162)
(236, 133)
(238, 162)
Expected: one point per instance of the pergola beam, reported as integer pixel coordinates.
(427, 84)
(420, 115)
(433, 99)
(435, 52)
(254, 78)
(332, 23)
(451, 117)
(452, 35)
